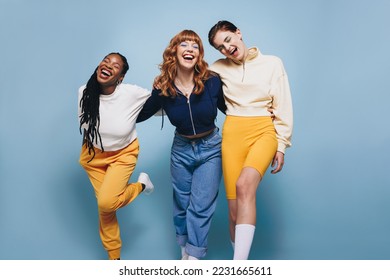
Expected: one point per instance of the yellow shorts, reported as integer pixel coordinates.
(246, 142)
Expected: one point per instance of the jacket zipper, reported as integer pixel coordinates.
(189, 108)
(192, 120)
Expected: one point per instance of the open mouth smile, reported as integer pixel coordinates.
(233, 51)
(105, 73)
(188, 57)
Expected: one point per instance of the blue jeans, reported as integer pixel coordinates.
(196, 170)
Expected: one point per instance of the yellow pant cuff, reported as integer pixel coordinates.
(114, 254)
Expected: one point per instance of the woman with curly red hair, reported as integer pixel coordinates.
(189, 93)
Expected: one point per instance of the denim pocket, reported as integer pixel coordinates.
(214, 141)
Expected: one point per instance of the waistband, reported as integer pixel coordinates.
(194, 140)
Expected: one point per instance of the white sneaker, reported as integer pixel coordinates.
(184, 255)
(144, 179)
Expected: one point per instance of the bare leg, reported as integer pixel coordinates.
(246, 185)
(232, 205)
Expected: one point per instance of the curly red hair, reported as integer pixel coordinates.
(168, 67)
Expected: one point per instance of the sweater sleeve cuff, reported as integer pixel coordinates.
(281, 148)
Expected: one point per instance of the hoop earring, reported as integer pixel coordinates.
(196, 68)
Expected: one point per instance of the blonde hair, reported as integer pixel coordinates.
(168, 67)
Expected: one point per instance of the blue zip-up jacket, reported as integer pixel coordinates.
(190, 116)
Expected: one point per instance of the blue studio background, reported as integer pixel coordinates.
(330, 202)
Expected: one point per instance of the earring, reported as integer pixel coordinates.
(196, 68)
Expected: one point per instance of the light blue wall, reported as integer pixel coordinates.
(332, 200)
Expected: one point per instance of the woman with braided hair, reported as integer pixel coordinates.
(107, 113)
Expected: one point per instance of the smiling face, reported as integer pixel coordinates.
(187, 54)
(230, 44)
(109, 72)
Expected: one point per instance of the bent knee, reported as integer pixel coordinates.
(106, 204)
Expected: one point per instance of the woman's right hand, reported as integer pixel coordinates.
(272, 113)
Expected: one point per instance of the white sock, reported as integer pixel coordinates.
(192, 258)
(232, 242)
(243, 241)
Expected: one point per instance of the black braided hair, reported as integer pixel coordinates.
(89, 103)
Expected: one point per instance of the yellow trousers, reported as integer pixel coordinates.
(109, 173)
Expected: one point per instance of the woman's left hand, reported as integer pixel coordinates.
(278, 160)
